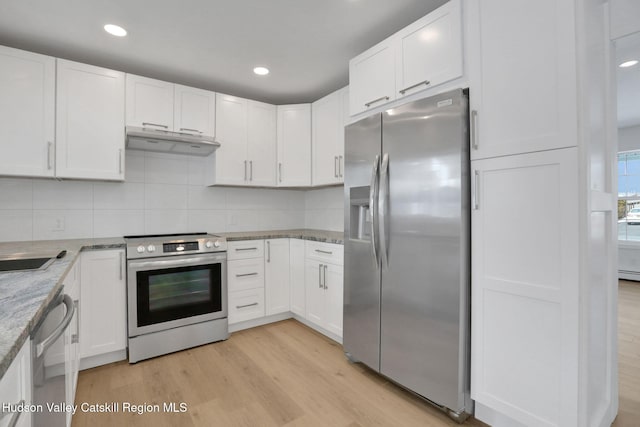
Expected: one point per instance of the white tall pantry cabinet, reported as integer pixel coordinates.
(543, 226)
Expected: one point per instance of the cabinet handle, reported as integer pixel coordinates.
(335, 166)
(320, 276)
(324, 252)
(406, 89)
(268, 251)
(324, 278)
(382, 98)
(280, 171)
(250, 170)
(121, 265)
(154, 124)
(245, 170)
(474, 129)
(49, 146)
(340, 165)
(476, 190)
(246, 274)
(191, 130)
(16, 415)
(246, 249)
(120, 161)
(76, 304)
(246, 305)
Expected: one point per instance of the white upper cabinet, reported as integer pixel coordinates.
(422, 55)
(194, 111)
(372, 77)
(231, 119)
(327, 125)
(27, 113)
(89, 122)
(521, 105)
(149, 103)
(429, 51)
(294, 145)
(261, 144)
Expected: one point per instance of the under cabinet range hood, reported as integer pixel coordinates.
(161, 141)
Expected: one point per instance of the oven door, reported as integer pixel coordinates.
(169, 292)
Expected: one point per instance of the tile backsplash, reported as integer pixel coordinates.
(162, 193)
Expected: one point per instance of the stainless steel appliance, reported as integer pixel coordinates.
(49, 365)
(176, 292)
(188, 141)
(407, 254)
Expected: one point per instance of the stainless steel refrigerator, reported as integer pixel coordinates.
(407, 247)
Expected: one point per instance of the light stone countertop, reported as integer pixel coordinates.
(25, 295)
(336, 237)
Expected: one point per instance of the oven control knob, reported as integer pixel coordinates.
(151, 248)
(208, 244)
(140, 249)
(216, 243)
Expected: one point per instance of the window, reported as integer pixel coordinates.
(629, 195)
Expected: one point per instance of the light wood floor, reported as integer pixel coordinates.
(286, 374)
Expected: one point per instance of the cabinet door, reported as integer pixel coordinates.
(296, 277)
(261, 143)
(540, 114)
(103, 315)
(149, 103)
(231, 127)
(314, 290)
(16, 386)
(328, 139)
(194, 111)
(89, 122)
(276, 272)
(27, 124)
(333, 280)
(294, 145)
(524, 285)
(430, 50)
(372, 80)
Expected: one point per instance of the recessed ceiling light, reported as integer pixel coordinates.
(261, 71)
(628, 64)
(115, 30)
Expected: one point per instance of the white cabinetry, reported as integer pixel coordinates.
(89, 122)
(103, 315)
(276, 270)
(15, 388)
(542, 113)
(294, 145)
(423, 55)
(296, 277)
(247, 134)
(327, 125)
(245, 277)
(27, 113)
(324, 286)
(166, 106)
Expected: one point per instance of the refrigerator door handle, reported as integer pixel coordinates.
(373, 207)
(383, 206)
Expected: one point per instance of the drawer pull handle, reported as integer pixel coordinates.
(246, 249)
(246, 305)
(246, 274)
(191, 130)
(406, 89)
(324, 252)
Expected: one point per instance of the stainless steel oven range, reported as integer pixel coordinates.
(176, 292)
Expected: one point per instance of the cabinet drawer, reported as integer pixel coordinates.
(326, 252)
(245, 274)
(244, 249)
(246, 305)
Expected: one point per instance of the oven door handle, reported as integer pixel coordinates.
(173, 262)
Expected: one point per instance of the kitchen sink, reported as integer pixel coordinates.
(25, 262)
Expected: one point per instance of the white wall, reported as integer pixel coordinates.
(324, 209)
(629, 138)
(162, 194)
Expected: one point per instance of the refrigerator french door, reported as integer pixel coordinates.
(406, 309)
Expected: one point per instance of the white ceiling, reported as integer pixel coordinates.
(214, 44)
(628, 48)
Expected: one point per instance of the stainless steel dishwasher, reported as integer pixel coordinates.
(49, 364)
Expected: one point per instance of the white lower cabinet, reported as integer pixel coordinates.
(245, 280)
(296, 277)
(103, 314)
(15, 388)
(276, 272)
(246, 305)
